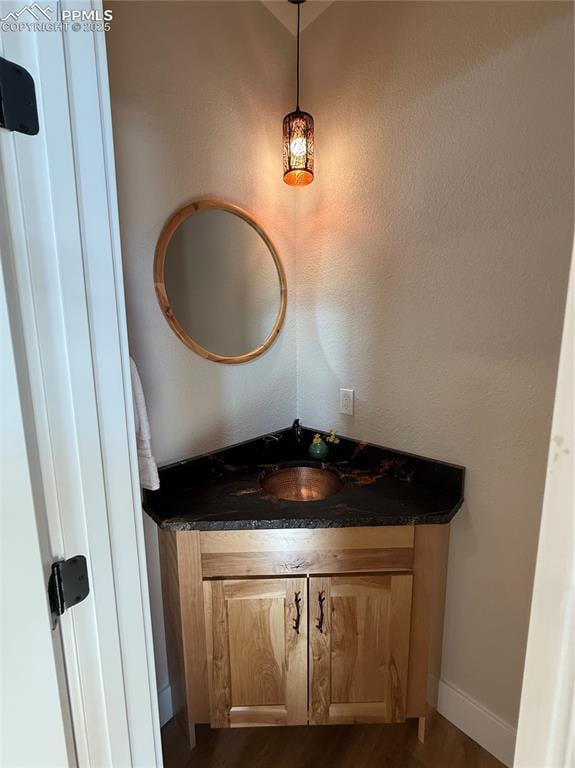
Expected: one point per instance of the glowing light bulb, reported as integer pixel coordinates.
(298, 147)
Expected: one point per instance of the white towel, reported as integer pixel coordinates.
(146, 463)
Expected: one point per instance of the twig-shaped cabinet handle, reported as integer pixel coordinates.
(321, 601)
(297, 601)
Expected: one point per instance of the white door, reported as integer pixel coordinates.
(34, 706)
(546, 732)
(63, 274)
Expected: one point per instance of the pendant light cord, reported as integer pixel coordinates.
(297, 76)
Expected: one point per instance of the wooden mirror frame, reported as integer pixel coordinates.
(159, 282)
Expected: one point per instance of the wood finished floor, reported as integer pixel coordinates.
(350, 746)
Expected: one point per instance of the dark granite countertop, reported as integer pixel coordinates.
(221, 490)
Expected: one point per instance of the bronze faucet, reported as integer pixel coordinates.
(297, 431)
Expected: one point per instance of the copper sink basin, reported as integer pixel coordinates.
(302, 483)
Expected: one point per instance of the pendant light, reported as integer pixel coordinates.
(298, 135)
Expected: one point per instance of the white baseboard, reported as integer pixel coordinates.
(481, 725)
(165, 705)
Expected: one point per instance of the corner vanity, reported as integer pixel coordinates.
(299, 592)
(295, 591)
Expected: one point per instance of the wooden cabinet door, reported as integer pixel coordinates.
(256, 633)
(359, 647)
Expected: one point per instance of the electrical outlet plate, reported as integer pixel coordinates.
(346, 401)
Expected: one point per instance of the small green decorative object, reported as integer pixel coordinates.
(319, 448)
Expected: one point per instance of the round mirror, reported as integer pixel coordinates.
(220, 282)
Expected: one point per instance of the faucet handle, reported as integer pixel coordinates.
(297, 431)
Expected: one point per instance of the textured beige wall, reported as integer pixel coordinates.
(193, 87)
(198, 94)
(432, 261)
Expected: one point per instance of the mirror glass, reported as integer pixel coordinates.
(222, 282)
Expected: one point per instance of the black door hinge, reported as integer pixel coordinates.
(68, 584)
(18, 109)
